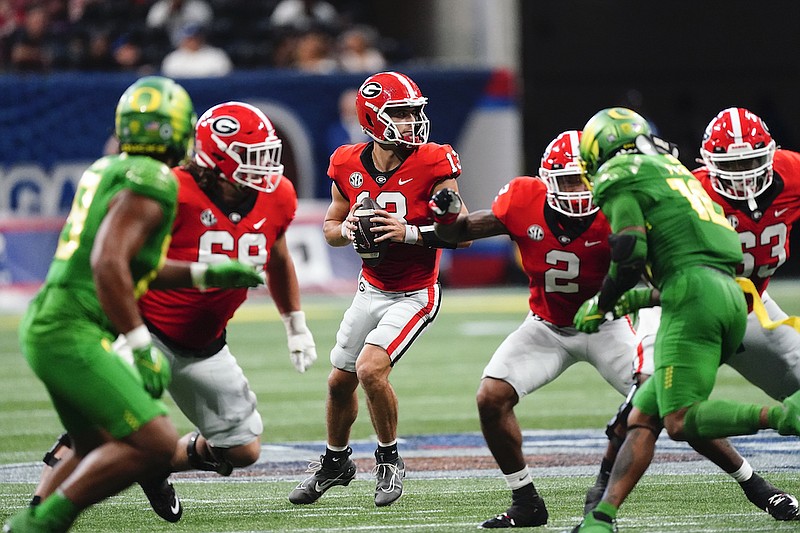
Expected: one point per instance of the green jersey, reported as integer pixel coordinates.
(71, 267)
(684, 226)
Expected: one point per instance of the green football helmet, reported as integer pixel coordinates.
(155, 117)
(606, 133)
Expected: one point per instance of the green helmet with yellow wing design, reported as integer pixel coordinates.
(609, 132)
(155, 117)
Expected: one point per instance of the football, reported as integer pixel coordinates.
(371, 252)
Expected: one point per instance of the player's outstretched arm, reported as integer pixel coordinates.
(453, 224)
(285, 291)
(227, 274)
(634, 299)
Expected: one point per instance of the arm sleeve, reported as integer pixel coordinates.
(628, 248)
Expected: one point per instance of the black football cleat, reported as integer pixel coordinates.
(519, 516)
(163, 499)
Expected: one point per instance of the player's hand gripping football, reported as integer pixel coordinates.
(446, 205)
(632, 300)
(302, 349)
(229, 275)
(589, 316)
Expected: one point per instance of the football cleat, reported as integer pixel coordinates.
(780, 505)
(596, 522)
(25, 521)
(390, 481)
(519, 516)
(310, 489)
(163, 499)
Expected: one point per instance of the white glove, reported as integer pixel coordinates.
(302, 350)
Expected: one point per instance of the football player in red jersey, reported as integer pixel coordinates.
(397, 299)
(233, 202)
(758, 187)
(563, 242)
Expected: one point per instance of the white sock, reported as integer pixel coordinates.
(518, 479)
(336, 448)
(744, 473)
(387, 444)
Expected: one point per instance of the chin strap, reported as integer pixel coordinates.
(196, 460)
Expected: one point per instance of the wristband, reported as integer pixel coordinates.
(412, 234)
(138, 337)
(198, 273)
(294, 321)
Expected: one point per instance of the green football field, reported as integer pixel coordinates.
(436, 383)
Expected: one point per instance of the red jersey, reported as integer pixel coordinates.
(204, 232)
(764, 233)
(404, 192)
(565, 258)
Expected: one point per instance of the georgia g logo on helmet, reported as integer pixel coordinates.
(371, 89)
(225, 126)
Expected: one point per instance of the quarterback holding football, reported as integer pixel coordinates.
(398, 291)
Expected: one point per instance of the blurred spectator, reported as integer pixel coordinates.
(98, 53)
(194, 58)
(312, 53)
(304, 15)
(31, 46)
(12, 13)
(357, 51)
(347, 129)
(128, 56)
(174, 15)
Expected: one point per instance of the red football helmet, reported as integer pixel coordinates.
(390, 109)
(738, 150)
(566, 191)
(240, 142)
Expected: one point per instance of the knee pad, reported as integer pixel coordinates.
(216, 463)
(620, 419)
(50, 458)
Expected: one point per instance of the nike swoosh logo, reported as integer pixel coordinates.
(326, 483)
(591, 243)
(779, 212)
(260, 223)
(175, 507)
(403, 182)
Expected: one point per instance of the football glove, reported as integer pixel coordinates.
(154, 369)
(632, 300)
(446, 205)
(225, 275)
(588, 318)
(302, 350)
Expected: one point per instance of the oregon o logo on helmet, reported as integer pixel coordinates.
(225, 126)
(371, 89)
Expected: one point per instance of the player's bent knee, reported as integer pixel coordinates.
(244, 455)
(495, 395)
(673, 423)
